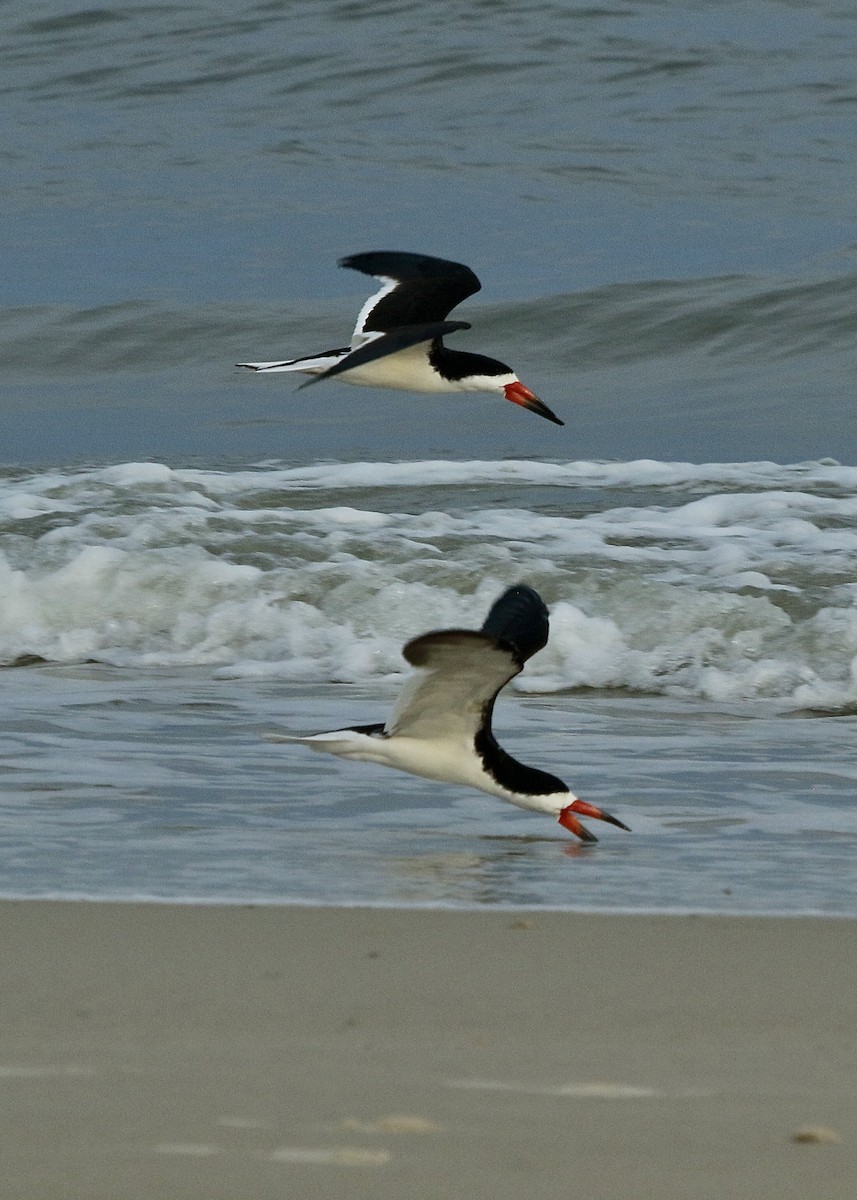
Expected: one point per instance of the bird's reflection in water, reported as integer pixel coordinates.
(506, 871)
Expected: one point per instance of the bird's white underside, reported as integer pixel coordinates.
(444, 761)
(405, 370)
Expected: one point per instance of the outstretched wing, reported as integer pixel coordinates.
(459, 673)
(417, 290)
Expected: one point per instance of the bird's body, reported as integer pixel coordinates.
(398, 337)
(440, 727)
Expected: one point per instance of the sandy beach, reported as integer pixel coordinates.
(181, 1052)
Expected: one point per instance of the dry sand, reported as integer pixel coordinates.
(177, 1052)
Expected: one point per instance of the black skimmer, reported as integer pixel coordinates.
(440, 727)
(398, 339)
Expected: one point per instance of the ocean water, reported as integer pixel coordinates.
(657, 198)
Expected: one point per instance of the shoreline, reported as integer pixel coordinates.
(183, 1051)
(428, 906)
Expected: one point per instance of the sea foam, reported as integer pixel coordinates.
(731, 582)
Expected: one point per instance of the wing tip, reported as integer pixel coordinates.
(519, 619)
(517, 622)
(385, 263)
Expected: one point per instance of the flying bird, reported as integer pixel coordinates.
(440, 726)
(398, 339)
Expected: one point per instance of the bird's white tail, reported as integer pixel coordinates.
(344, 743)
(313, 365)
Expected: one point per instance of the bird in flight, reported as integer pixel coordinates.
(398, 339)
(440, 727)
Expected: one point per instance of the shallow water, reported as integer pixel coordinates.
(699, 681)
(164, 786)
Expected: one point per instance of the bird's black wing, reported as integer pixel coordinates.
(519, 620)
(418, 289)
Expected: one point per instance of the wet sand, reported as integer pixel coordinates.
(167, 1051)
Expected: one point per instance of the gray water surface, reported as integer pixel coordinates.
(657, 197)
(165, 787)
